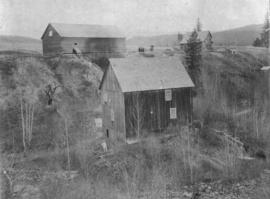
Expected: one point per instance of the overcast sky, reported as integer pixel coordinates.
(134, 17)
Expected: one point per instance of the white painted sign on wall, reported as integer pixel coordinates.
(98, 122)
(173, 113)
(168, 95)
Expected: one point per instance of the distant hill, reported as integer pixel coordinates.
(243, 36)
(19, 43)
(160, 40)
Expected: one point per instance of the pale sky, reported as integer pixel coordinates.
(133, 17)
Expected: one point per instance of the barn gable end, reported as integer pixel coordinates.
(47, 30)
(51, 41)
(113, 106)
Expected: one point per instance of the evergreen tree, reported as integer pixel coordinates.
(199, 25)
(266, 31)
(257, 42)
(193, 58)
(179, 37)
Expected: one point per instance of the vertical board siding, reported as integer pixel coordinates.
(95, 47)
(153, 109)
(51, 45)
(156, 110)
(115, 102)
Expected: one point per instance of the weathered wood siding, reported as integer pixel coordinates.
(156, 111)
(51, 44)
(95, 47)
(113, 101)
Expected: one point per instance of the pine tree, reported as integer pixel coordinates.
(199, 25)
(266, 31)
(257, 42)
(179, 37)
(193, 58)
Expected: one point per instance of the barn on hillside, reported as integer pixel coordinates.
(144, 94)
(95, 40)
(203, 36)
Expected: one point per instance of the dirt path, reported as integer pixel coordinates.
(250, 189)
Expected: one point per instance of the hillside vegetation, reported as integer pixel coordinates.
(235, 88)
(24, 82)
(63, 157)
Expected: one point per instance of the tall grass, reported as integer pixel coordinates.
(150, 169)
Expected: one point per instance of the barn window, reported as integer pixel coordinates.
(50, 33)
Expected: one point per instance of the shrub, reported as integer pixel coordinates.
(210, 138)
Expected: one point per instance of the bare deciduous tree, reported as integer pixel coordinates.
(50, 91)
(30, 76)
(27, 119)
(137, 114)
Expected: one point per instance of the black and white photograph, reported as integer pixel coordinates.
(134, 99)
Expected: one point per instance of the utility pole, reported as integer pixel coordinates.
(268, 15)
(268, 30)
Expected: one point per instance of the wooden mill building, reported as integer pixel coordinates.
(94, 40)
(144, 94)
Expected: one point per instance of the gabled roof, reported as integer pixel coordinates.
(202, 35)
(138, 73)
(85, 30)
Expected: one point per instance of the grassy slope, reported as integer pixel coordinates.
(150, 165)
(236, 95)
(77, 94)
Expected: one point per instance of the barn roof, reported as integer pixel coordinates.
(202, 35)
(139, 73)
(86, 30)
